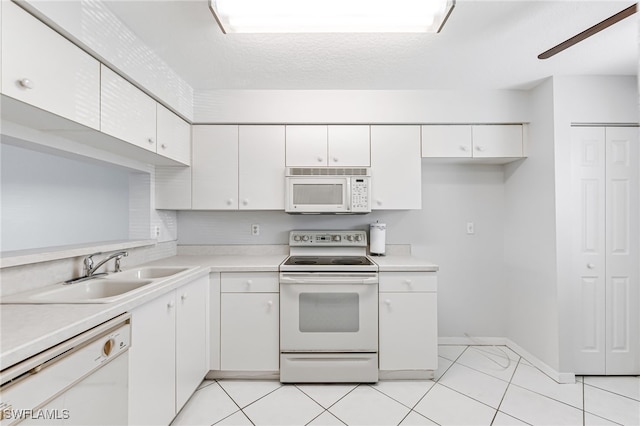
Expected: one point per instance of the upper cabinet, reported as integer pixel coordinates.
(126, 112)
(43, 69)
(173, 136)
(321, 146)
(396, 175)
(496, 143)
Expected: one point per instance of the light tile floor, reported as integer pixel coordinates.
(474, 385)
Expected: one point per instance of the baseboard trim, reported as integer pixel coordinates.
(503, 341)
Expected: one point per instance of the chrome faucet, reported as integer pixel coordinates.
(90, 268)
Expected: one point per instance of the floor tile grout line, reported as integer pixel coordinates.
(458, 357)
(253, 402)
(399, 402)
(551, 398)
(611, 392)
(505, 394)
(338, 400)
(470, 397)
(600, 417)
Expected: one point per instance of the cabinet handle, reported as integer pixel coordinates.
(591, 266)
(379, 202)
(184, 296)
(407, 282)
(387, 302)
(25, 83)
(245, 202)
(249, 282)
(230, 201)
(150, 140)
(163, 146)
(480, 148)
(320, 159)
(170, 304)
(270, 304)
(335, 159)
(463, 148)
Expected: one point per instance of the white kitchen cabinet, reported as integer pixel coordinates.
(494, 141)
(249, 322)
(43, 69)
(605, 268)
(173, 188)
(167, 359)
(214, 167)
(396, 177)
(261, 167)
(152, 362)
(173, 136)
(408, 330)
(334, 146)
(214, 321)
(191, 338)
(126, 112)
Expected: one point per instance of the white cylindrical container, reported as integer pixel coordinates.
(377, 235)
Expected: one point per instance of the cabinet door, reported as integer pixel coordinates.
(42, 68)
(261, 167)
(191, 338)
(306, 146)
(214, 168)
(126, 112)
(497, 141)
(173, 188)
(349, 146)
(396, 181)
(214, 321)
(174, 136)
(408, 331)
(152, 362)
(249, 332)
(448, 141)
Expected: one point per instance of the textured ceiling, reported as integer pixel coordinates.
(484, 45)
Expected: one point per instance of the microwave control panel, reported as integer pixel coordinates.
(360, 195)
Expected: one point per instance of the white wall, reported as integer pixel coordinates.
(471, 293)
(530, 237)
(360, 106)
(50, 201)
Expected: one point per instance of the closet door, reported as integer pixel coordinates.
(606, 234)
(622, 252)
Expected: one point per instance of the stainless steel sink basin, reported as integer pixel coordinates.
(104, 290)
(149, 272)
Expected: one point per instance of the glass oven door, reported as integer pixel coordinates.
(329, 312)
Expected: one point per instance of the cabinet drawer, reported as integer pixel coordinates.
(408, 281)
(249, 282)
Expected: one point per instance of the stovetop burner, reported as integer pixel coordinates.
(328, 261)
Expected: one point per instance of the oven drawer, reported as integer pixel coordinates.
(408, 281)
(249, 282)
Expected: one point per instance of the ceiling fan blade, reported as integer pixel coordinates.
(590, 31)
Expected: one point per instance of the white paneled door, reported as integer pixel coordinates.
(606, 261)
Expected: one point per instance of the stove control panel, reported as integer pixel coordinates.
(328, 238)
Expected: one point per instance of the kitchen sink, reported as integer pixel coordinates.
(149, 272)
(103, 290)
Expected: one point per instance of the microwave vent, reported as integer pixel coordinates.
(328, 171)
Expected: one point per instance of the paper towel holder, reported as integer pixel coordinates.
(377, 233)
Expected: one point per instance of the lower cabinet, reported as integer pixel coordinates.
(168, 355)
(249, 322)
(408, 328)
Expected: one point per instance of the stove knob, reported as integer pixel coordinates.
(337, 238)
(296, 238)
(349, 237)
(305, 238)
(358, 237)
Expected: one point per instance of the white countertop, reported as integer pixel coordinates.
(29, 329)
(403, 263)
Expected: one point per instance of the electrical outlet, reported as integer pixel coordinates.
(255, 229)
(471, 229)
(156, 231)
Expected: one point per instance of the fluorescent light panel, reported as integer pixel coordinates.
(326, 16)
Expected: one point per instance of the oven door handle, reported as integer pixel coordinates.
(326, 280)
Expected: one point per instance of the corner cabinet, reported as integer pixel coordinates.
(43, 69)
(408, 325)
(168, 355)
(396, 174)
(492, 143)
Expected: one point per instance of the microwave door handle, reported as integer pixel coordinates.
(348, 197)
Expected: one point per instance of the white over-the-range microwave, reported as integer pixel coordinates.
(324, 190)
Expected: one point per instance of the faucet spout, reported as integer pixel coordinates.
(91, 269)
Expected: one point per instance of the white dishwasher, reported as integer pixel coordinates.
(82, 381)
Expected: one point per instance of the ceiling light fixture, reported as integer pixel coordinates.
(331, 16)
